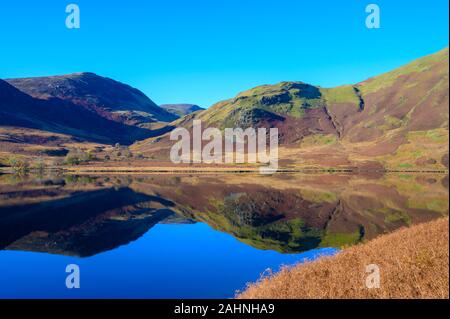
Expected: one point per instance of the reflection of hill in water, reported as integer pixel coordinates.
(82, 224)
(288, 213)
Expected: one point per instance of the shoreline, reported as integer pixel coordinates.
(207, 170)
(412, 262)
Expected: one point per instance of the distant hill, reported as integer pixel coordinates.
(105, 97)
(396, 120)
(181, 110)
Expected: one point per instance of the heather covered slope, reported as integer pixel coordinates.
(414, 119)
(398, 120)
(410, 99)
(106, 97)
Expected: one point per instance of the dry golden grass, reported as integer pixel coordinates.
(413, 263)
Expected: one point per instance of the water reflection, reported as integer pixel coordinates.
(289, 213)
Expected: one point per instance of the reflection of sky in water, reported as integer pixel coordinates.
(170, 261)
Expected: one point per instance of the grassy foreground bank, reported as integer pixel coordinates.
(413, 263)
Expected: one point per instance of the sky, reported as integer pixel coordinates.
(204, 51)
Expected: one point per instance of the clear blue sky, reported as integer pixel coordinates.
(203, 51)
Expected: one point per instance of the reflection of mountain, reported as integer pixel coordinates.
(296, 213)
(82, 224)
(287, 213)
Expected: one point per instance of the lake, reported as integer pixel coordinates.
(192, 235)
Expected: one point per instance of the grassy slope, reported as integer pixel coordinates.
(413, 263)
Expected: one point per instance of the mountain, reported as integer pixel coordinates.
(18, 109)
(398, 120)
(103, 96)
(181, 110)
(412, 98)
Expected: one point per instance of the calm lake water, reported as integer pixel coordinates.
(191, 236)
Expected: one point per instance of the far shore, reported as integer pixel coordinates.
(199, 169)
